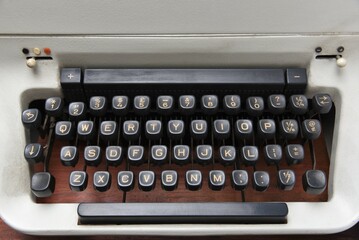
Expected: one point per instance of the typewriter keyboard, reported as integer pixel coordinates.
(180, 145)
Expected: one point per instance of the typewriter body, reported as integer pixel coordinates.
(138, 71)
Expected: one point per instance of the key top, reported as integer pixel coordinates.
(209, 104)
(286, 179)
(64, 130)
(232, 104)
(131, 130)
(135, 154)
(69, 156)
(71, 84)
(199, 129)
(141, 105)
(217, 180)
(153, 129)
(311, 128)
(204, 154)
(272, 154)
(92, 155)
(255, 106)
(298, 104)
(78, 180)
(102, 181)
(165, 105)
(120, 105)
(244, 129)
(125, 180)
(146, 180)
(221, 129)
(42, 184)
(175, 129)
(276, 104)
(114, 155)
(193, 180)
(31, 118)
(266, 129)
(85, 130)
(159, 154)
(187, 104)
(249, 155)
(181, 154)
(77, 111)
(314, 181)
(108, 130)
(261, 180)
(294, 153)
(296, 79)
(288, 129)
(34, 153)
(98, 106)
(227, 155)
(169, 180)
(54, 106)
(322, 103)
(239, 179)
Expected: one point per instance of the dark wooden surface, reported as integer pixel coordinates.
(351, 234)
(63, 194)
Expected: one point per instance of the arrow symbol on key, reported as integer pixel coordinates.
(31, 150)
(323, 98)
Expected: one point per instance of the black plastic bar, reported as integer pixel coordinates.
(108, 81)
(169, 213)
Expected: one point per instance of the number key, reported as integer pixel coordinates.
(187, 104)
(232, 104)
(77, 110)
(54, 106)
(165, 105)
(255, 106)
(98, 106)
(142, 105)
(120, 105)
(209, 104)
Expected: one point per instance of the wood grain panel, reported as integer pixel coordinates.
(63, 194)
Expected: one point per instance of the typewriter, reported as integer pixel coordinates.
(179, 118)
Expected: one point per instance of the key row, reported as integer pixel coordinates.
(209, 104)
(314, 181)
(180, 154)
(169, 180)
(199, 129)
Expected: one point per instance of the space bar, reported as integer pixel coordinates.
(229, 212)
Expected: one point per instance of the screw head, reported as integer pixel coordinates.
(340, 49)
(318, 50)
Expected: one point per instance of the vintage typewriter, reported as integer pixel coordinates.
(169, 128)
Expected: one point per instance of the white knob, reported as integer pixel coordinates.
(31, 62)
(341, 62)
